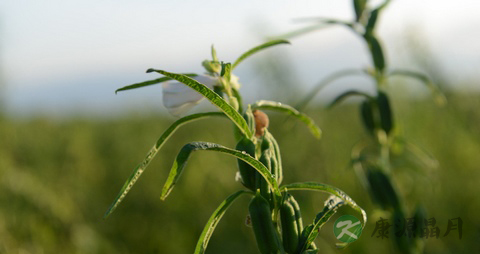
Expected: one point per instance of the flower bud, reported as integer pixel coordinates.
(261, 122)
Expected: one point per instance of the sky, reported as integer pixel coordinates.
(63, 57)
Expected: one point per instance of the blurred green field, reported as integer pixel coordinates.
(58, 177)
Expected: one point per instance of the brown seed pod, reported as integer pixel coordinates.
(261, 122)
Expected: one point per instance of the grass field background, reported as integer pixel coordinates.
(58, 177)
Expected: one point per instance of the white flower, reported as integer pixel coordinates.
(234, 82)
(178, 98)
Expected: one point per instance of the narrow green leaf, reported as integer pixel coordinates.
(377, 53)
(386, 116)
(184, 155)
(215, 219)
(327, 21)
(422, 156)
(321, 23)
(439, 96)
(413, 74)
(368, 119)
(382, 189)
(331, 206)
(312, 186)
(359, 6)
(257, 49)
(137, 172)
(345, 95)
(327, 81)
(372, 21)
(214, 98)
(277, 106)
(298, 32)
(150, 82)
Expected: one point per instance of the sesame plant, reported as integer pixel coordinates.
(377, 156)
(273, 212)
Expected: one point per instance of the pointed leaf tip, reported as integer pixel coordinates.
(150, 70)
(137, 172)
(259, 48)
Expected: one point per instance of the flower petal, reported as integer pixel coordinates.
(234, 82)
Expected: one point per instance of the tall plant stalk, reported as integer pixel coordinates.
(372, 157)
(273, 212)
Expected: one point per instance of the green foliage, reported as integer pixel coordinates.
(290, 224)
(277, 106)
(359, 6)
(262, 176)
(257, 49)
(213, 97)
(311, 186)
(215, 219)
(268, 240)
(373, 162)
(184, 155)
(150, 82)
(137, 172)
(311, 231)
(55, 189)
(345, 95)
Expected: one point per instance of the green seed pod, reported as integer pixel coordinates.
(247, 172)
(270, 146)
(290, 233)
(274, 165)
(249, 118)
(266, 142)
(277, 169)
(265, 232)
(298, 214)
(386, 119)
(260, 182)
(382, 189)
(366, 111)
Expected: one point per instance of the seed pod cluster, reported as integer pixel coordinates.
(263, 227)
(262, 205)
(292, 224)
(270, 157)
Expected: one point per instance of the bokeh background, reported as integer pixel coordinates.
(68, 143)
